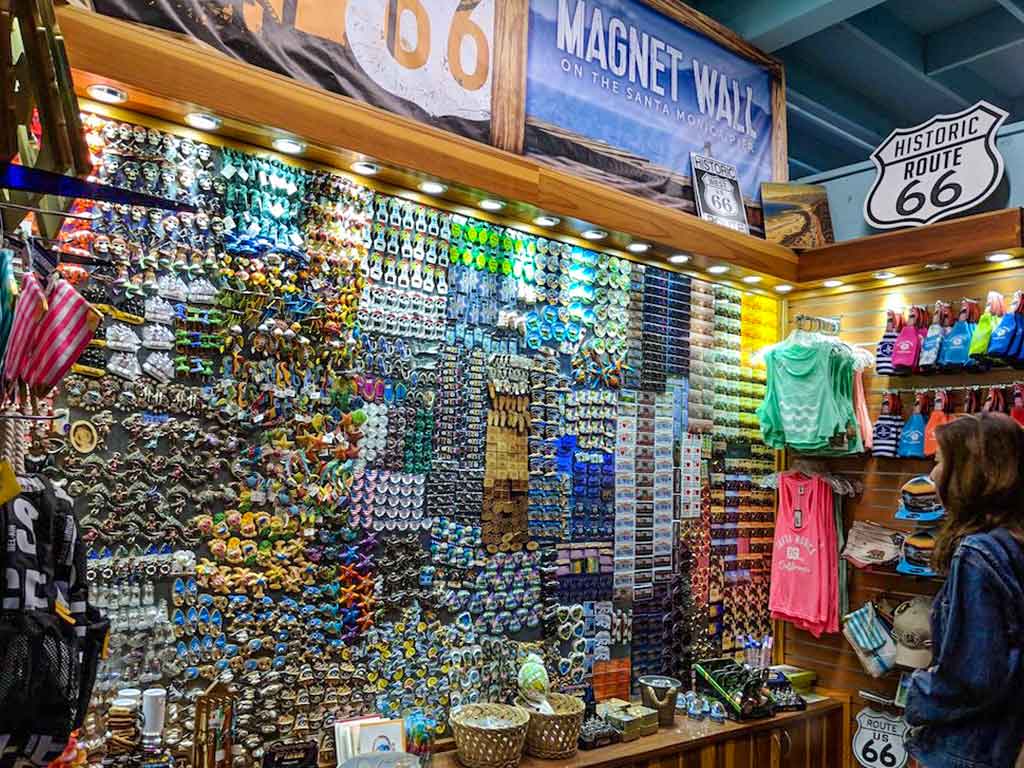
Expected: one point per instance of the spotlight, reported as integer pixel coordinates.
(108, 94)
(202, 121)
(289, 146)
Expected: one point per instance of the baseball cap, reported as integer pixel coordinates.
(872, 545)
(913, 632)
(916, 556)
(919, 500)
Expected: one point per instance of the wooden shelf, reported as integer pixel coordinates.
(168, 76)
(958, 241)
(675, 745)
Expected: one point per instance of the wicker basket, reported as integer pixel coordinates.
(489, 735)
(555, 737)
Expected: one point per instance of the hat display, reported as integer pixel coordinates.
(919, 501)
(916, 556)
(913, 632)
(870, 545)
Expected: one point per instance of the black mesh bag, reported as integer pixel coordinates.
(92, 647)
(39, 685)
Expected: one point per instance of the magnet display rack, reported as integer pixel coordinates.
(727, 309)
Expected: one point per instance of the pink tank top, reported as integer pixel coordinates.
(804, 559)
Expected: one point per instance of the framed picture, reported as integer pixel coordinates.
(796, 215)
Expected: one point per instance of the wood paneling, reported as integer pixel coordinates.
(954, 241)
(862, 315)
(780, 132)
(508, 94)
(168, 76)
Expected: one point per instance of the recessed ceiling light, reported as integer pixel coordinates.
(593, 234)
(832, 283)
(752, 279)
(718, 269)
(884, 275)
(363, 168)
(937, 266)
(998, 258)
(289, 146)
(783, 288)
(638, 247)
(491, 205)
(679, 258)
(547, 221)
(202, 121)
(433, 188)
(108, 94)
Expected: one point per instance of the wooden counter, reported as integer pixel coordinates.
(810, 739)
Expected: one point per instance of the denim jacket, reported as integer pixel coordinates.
(966, 709)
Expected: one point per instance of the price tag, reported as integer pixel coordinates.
(879, 740)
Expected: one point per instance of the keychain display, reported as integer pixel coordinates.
(343, 453)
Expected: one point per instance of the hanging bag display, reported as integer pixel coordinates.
(65, 330)
(995, 402)
(907, 348)
(954, 355)
(938, 417)
(1017, 408)
(912, 437)
(28, 316)
(987, 323)
(888, 427)
(942, 321)
(1014, 356)
(1005, 330)
(894, 322)
(971, 404)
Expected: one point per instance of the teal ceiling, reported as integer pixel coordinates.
(856, 69)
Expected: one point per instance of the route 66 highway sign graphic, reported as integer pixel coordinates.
(878, 742)
(937, 169)
(716, 191)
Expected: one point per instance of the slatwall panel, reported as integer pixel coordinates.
(862, 315)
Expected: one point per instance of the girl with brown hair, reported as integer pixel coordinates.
(966, 708)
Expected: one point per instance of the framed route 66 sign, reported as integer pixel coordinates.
(937, 169)
(716, 190)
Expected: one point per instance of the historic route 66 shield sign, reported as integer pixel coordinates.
(878, 742)
(716, 191)
(937, 169)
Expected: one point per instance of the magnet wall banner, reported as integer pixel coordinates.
(622, 93)
(610, 90)
(430, 60)
(937, 169)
